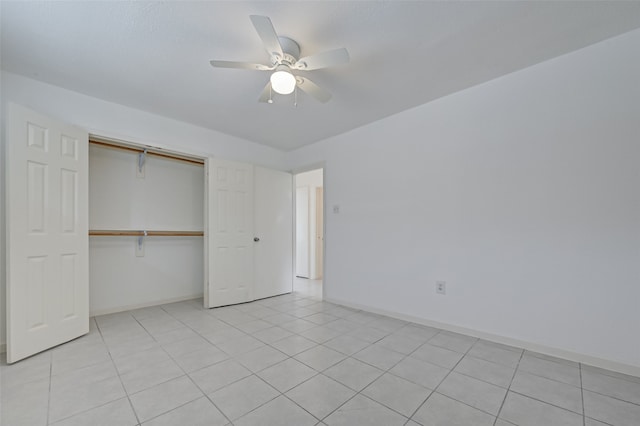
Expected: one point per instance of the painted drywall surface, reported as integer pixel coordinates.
(169, 197)
(523, 194)
(111, 120)
(171, 269)
(3, 242)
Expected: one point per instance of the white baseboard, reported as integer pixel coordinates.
(142, 305)
(632, 370)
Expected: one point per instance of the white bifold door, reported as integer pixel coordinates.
(248, 233)
(47, 233)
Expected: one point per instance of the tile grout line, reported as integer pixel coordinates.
(88, 366)
(584, 415)
(283, 395)
(280, 309)
(252, 372)
(288, 357)
(545, 402)
(515, 371)
(255, 373)
(356, 392)
(181, 369)
(171, 358)
(106, 403)
(580, 370)
(445, 377)
(383, 372)
(366, 386)
(330, 378)
(389, 372)
(50, 382)
(118, 371)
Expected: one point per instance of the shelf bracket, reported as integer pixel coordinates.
(140, 246)
(142, 158)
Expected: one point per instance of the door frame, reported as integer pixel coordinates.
(295, 172)
(302, 266)
(319, 195)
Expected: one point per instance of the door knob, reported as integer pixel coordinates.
(256, 239)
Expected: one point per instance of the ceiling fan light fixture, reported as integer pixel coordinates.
(282, 81)
(285, 59)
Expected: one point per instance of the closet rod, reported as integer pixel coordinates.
(106, 233)
(150, 151)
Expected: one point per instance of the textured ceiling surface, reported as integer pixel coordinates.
(154, 56)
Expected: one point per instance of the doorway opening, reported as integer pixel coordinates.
(309, 230)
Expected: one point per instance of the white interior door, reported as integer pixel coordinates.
(229, 233)
(273, 253)
(47, 233)
(302, 231)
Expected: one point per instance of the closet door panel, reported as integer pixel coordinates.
(47, 233)
(229, 233)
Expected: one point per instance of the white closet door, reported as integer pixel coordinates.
(273, 252)
(47, 233)
(229, 233)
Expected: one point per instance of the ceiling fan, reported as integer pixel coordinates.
(284, 59)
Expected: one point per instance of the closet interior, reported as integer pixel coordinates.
(146, 227)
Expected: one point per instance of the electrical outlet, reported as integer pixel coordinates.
(336, 209)
(441, 287)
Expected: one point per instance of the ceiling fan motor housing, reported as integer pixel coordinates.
(285, 60)
(291, 51)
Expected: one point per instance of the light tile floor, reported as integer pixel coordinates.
(296, 360)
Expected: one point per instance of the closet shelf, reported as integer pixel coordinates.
(157, 152)
(112, 232)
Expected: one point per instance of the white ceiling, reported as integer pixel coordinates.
(155, 56)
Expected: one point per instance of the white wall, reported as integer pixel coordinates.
(311, 180)
(111, 120)
(522, 193)
(170, 197)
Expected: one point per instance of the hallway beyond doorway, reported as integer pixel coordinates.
(308, 288)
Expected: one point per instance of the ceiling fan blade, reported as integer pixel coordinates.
(323, 60)
(265, 96)
(312, 89)
(240, 65)
(268, 34)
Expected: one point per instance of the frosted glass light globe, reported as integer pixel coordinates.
(283, 82)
